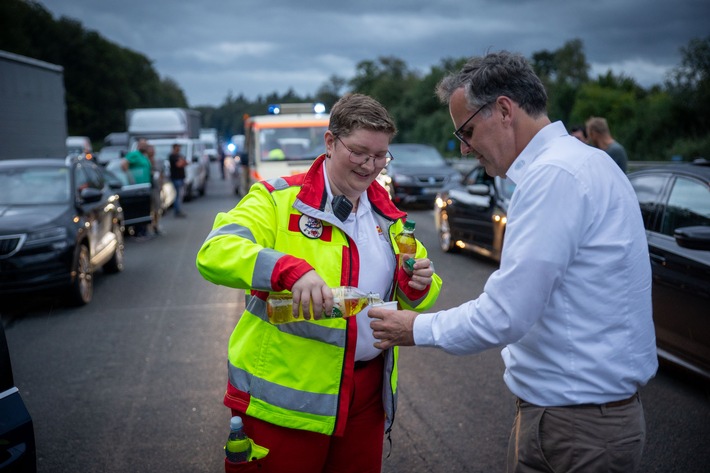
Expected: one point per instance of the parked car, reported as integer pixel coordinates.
(110, 153)
(233, 171)
(472, 214)
(197, 169)
(675, 205)
(135, 198)
(79, 145)
(17, 437)
(416, 174)
(59, 222)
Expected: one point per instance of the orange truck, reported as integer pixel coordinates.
(284, 142)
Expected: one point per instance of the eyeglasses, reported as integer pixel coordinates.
(359, 158)
(459, 131)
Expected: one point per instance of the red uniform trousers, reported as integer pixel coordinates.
(359, 450)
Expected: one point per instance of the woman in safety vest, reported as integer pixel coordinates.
(316, 393)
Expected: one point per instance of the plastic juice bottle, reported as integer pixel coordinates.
(347, 301)
(405, 240)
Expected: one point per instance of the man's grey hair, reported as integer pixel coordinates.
(485, 78)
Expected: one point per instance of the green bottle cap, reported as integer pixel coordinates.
(410, 263)
(409, 225)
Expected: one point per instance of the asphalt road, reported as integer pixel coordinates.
(134, 381)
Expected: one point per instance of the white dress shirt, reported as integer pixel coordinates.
(571, 302)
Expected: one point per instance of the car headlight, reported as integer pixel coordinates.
(47, 235)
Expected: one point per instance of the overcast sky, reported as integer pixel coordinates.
(255, 47)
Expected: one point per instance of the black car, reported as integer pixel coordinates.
(472, 214)
(17, 438)
(137, 199)
(675, 205)
(416, 174)
(59, 222)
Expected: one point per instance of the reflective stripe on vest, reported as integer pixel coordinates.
(265, 261)
(288, 398)
(329, 335)
(232, 229)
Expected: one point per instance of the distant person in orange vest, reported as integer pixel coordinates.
(600, 137)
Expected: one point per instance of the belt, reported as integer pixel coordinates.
(606, 405)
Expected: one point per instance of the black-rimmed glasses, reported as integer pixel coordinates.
(360, 158)
(459, 131)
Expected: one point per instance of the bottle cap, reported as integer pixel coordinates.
(409, 224)
(410, 263)
(236, 423)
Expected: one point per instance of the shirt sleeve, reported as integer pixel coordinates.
(545, 222)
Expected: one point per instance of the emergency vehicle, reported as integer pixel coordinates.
(284, 142)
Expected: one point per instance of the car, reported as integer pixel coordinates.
(416, 174)
(472, 214)
(675, 206)
(59, 222)
(110, 153)
(197, 169)
(17, 438)
(79, 145)
(136, 199)
(233, 170)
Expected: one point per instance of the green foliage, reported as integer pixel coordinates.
(103, 80)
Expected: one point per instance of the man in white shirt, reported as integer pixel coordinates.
(571, 302)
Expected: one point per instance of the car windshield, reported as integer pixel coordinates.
(34, 185)
(417, 156)
(292, 143)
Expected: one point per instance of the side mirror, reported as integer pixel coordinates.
(478, 189)
(90, 195)
(693, 238)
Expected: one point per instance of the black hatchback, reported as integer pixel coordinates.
(473, 213)
(59, 222)
(675, 205)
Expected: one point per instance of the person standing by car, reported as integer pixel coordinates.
(317, 393)
(599, 135)
(139, 167)
(156, 204)
(177, 176)
(571, 302)
(137, 163)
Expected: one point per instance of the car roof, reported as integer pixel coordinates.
(697, 168)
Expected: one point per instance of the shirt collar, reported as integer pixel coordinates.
(534, 149)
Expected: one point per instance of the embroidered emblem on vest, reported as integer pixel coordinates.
(310, 227)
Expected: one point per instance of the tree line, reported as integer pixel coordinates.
(103, 80)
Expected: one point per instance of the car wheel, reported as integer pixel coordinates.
(82, 288)
(446, 242)
(115, 264)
